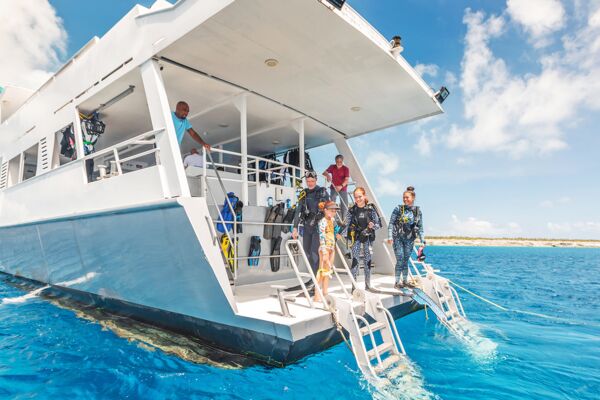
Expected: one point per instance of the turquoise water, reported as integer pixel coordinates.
(49, 352)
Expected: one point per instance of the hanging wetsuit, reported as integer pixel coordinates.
(361, 237)
(307, 212)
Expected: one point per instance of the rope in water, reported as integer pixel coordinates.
(506, 309)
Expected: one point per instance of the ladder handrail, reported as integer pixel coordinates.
(390, 320)
(457, 300)
(373, 342)
(345, 264)
(308, 267)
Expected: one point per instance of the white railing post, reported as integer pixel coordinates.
(160, 115)
(242, 105)
(299, 127)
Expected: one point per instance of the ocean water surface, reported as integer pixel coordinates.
(546, 347)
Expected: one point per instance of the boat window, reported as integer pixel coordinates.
(64, 147)
(30, 161)
(14, 168)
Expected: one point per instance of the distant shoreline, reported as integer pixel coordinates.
(511, 242)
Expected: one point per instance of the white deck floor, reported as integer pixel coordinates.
(259, 301)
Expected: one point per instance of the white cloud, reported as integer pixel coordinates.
(427, 69)
(384, 163)
(553, 203)
(385, 186)
(521, 114)
(32, 39)
(423, 145)
(539, 18)
(475, 227)
(450, 79)
(588, 229)
(464, 161)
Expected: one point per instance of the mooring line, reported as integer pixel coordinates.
(506, 309)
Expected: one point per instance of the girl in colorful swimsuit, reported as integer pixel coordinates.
(326, 246)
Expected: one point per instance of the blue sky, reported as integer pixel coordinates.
(515, 154)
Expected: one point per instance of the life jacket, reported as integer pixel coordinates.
(358, 226)
(408, 230)
(227, 215)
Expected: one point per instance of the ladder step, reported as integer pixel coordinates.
(382, 349)
(304, 275)
(374, 328)
(388, 362)
(340, 270)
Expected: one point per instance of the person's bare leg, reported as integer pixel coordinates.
(322, 257)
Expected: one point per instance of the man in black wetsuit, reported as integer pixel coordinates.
(307, 212)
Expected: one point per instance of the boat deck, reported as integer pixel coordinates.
(260, 300)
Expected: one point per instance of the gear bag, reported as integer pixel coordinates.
(227, 214)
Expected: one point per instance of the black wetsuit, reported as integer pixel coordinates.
(307, 212)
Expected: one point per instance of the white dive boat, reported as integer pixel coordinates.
(129, 229)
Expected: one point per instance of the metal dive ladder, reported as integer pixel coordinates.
(374, 338)
(435, 292)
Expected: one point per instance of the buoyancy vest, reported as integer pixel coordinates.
(91, 129)
(403, 226)
(309, 202)
(358, 228)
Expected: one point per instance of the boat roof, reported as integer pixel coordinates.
(326, 68)
(333, 70)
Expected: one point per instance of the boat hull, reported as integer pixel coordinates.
(149, 264)
(263, 348)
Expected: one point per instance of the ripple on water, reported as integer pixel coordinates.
(52, 352)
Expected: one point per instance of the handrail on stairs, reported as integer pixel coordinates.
(234, 222)
(370, 331)
(291, 255)
(390, 318)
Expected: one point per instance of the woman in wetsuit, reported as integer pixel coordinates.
(362, 222)
(406, 224)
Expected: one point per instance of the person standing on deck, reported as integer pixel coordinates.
(182, 125)
(362, 220)
(307, 212)
(339, 176)
(406, 224)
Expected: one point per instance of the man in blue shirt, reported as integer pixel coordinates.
(182, 125)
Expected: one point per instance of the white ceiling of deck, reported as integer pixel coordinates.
(326, 66)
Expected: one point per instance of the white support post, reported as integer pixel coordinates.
(381, 259)
(77, 133)
(241, 104)
(299, 127)
(175, 183)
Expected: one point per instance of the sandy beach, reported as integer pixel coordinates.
(511, 242)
